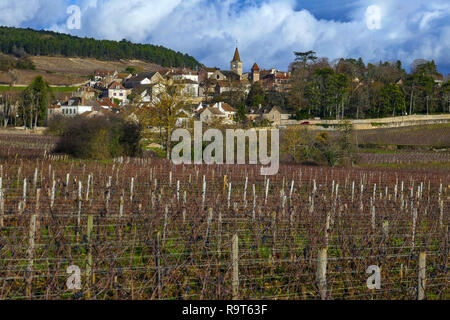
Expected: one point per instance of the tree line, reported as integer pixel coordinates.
(22, 42)
(350, 89)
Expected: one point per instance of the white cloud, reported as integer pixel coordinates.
(13, 13)
(268, 31)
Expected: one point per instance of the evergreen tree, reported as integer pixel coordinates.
(34, 103)
(23, 42)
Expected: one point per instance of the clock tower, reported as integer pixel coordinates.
(236, 64)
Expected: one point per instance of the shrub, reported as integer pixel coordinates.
(96, 138)
(57, 125)
(302, 146)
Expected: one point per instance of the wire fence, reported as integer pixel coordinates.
(144, 229)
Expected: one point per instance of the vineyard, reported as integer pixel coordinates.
(407, 157)
(145, 229)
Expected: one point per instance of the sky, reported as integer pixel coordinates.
(266, 31)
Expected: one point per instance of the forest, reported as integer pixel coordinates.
(22, 42)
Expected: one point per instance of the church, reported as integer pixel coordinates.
(217, 81)
(268, 78)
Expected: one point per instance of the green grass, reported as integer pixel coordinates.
(64, 89)
(379, 151)
(8, 88)
(54, 89)
(377, 124)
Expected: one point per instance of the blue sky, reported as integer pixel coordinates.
(268, 31)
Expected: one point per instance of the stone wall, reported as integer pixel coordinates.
(365, 124)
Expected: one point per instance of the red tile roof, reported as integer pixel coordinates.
(255, 67)
(227, 107)
(116, 85)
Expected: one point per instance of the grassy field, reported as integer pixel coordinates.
(55, 89)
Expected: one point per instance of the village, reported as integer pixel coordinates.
(113, 92)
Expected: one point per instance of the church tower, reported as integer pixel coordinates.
(236, 64)
(255, 73)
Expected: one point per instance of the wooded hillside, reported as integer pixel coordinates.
(22, 42)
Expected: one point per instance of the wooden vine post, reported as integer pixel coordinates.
(2, 204)
(30, 255)
(90, 226)
(421, 276)
(321, 273)
(235, 266)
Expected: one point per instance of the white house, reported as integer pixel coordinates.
(190, 87)
(75, 106)
(185, 76)
(183, 117)
(155, 90)
(100, 75)
(117, 91)
(226, 109)
(144, 78)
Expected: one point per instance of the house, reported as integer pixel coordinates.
(101, 75)
(227, 86)
(142, 93)
(106, 103)
(198, 107)
(219, 110)
(226, 109)
(54, 110)
(144, 78)
(183, 117)
(86, 93)
(218, 75)
(277, 116)
(209, 114)
(135, 81)
(117, 91)
(155, 90)
(184, 75)
(75, 106)
(274, 79)
(122, 77)
(206, 73)
(190, 87)
(98, 113)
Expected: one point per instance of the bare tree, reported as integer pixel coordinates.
(6, 103)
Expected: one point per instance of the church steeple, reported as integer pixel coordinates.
(236, 63)
(237, 57)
